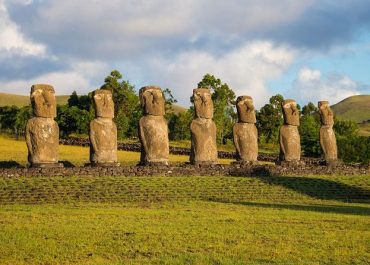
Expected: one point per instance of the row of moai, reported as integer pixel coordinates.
(42, 132)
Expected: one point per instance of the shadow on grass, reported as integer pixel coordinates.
(10, 164)
(67, 163)
(320, 188)
(354, 210)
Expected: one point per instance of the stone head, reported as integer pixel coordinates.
(103, 101)
(152, 100)
(245, 108)
(290, 112)
(203, 103)
(43, 101)
(326, 114)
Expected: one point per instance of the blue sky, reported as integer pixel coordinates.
(308, 50)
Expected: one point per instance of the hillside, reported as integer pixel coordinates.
(20, 101)
(356, 108)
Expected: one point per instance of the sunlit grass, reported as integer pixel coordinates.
(180, 233)
(180, 220)
(16, 150)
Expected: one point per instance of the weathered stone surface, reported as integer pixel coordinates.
(103, 130)
(245, 141)
(203, 103)
(246, 110)
(43, 101)
(42, 138)
(103, 139)
(154, 139)
(103, 102)
(152, 100)
(290, 112)
(203, 129)
(290, 141)
(245, 131)
(42, 132)
(328, 141)
(153, 128)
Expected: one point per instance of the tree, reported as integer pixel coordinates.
(127, 110)
(82, 102)
(8, 116)
(309, 109)
(73, 99)
(73, 120)
(223, 100)
(179, 125)
(270, 119)
(309, 130)
(23, 115)
(345, 128)
(169, 100)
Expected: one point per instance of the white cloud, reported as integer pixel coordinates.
(118, 29)
(246, 69)
(311, 85)
(64, 82)
(12, 39)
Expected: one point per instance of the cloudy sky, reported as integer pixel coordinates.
(308, 50)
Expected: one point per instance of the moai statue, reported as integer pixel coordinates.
(328, 141)
(203, 129)
(42, 131)
(245, 131)
(153, 128)
(103, 131)
(290, 141)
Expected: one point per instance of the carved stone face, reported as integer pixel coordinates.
(245, 108)
(290, 112)
(203, 103)
(43, 101)
(104, 106)
(152, 100)
(326, 114)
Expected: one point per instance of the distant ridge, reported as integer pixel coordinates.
(7, 99)
(20, 101)
(354, 108)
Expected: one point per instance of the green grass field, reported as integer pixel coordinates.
(180, 220)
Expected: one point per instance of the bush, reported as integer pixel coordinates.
(354, 148)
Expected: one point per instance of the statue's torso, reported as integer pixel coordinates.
(328, 143)
(203, 137)
(154, 138)
(42, 135)
(290, 143)
(246, 141)
(103, 139)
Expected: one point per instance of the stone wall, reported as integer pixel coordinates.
(190, 170)
(136, 147)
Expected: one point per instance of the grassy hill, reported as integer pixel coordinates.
(20, 101)
(355, 108)
(177, 108)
